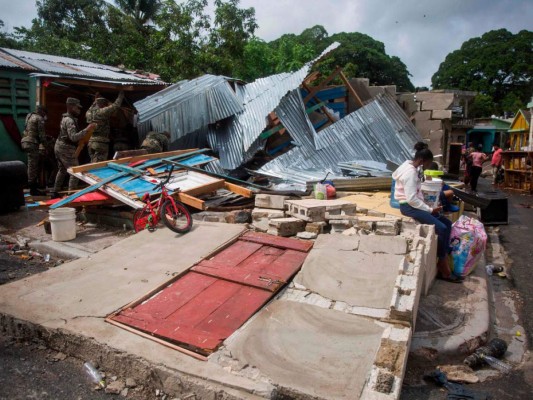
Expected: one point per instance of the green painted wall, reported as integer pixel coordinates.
(17, 98)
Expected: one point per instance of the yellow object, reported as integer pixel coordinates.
(518, 333)
(432, 172)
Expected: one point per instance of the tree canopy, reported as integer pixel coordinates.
(498, 65)
(182, 40)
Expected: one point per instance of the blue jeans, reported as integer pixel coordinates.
(443, 226)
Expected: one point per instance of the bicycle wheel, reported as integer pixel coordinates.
(141, 219)
(176, 216)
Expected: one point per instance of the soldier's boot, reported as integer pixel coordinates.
(34, 191)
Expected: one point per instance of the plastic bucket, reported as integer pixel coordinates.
(431, 191)
(63, 224)
(393, 202)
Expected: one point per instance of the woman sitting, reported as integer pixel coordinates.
(409, 194)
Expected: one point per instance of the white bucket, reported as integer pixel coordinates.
(431, 191)
(63, 224)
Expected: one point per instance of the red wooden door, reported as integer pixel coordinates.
(214, 298)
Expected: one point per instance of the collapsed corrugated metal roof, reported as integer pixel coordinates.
(65, 66)
(379, 131)
(239, 140)
(188, 106)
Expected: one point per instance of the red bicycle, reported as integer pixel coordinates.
(173, 213)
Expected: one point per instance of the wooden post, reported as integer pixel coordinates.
(351, 90)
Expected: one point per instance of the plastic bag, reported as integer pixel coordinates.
(468, 241)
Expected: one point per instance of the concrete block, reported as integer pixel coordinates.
(426, 127)
(312, 210)
(340, 225)
(383, 244)
(435, 101)
(441, 114)
(271, 201)
(420, 116)
(390, 228)
(316, 227)
(258, 213)
(285, 226)
(261, 224)
(435, 141)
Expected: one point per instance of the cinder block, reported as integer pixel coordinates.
(272, 201)
(340, 225)
(316, 227)
(312, 210)
(258, 213)
(285, 226)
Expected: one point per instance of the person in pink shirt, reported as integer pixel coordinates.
(478, 158)
(496, 162)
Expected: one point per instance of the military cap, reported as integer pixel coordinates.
(101, 100)
(73, 101)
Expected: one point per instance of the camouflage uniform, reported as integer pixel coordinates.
(65, 150)
(99, 142)
(155, 142)
(32, 137)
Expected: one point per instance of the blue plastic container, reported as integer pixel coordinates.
(393, 202)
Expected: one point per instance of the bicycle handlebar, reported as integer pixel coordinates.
(163, 183)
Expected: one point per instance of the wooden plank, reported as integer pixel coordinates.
(128, 160)
(351, 89)
(242, 276)
(207, 188)
(324, 110)
(191, 201)
(89, 189)
(156, 339)
(322, 85)
(125, 168)
(276, 241)
(239, 190)
(232, 255)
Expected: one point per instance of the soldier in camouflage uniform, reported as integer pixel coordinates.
(156, 142)
(32, 137)
(100, 112)
(65, 147)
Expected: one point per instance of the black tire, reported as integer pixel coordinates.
(176, 219)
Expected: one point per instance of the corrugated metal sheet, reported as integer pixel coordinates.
(8, 61)
(65, 66)
(379, 131)
(188, 106)
(239, 141)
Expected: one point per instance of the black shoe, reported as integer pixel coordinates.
(33, 190)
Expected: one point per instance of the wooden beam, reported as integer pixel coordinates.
(313, 76)
(127, 160)
(191, 201)
(321, 86)
(351, 89)
(239, 190)
(207, 188)
(328, 115)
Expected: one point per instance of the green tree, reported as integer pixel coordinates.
(481, 107)
(6, 38)
(496, 64)
(142, 11)
(232, 28)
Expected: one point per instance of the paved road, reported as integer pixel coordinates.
(517, 239)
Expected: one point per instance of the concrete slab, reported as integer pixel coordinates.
(441, 114)
(356, 278)
(383, 244)
(305, 349)
(75, 297)
(435, 101)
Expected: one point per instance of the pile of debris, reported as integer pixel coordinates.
(289, 127)
(307, 218)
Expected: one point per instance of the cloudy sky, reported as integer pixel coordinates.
(420, 32)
